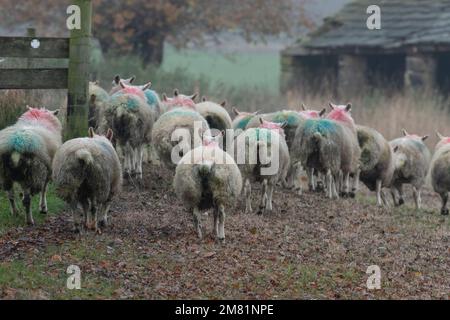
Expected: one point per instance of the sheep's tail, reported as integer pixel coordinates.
(84, 156)
(15, 159)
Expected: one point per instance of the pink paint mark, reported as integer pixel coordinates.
(41, 117)
(272, 126)
(445, 141)
(340, 114)
(180, 101)
(310, 114)
(134, 91)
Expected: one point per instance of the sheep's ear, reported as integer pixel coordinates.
(117, 79)
(440, 136)
(122, 85)
(194, 96)
(395, 149)
(96, 82)
(261, 120)
(164, 97)
(147, 86)
(322, 112)
(303, 107)
(109, 134)
(425, 137)
(224, 103)
(235, 111)
(348, 107)
(284, 125)
(332, 106)
(204, 99)
(91, 132)
(176, 92)
(255, 113)
(28, 107)
(55, 112)
(405, 133)
(131, 80)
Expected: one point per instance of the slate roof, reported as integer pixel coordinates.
(403, 23)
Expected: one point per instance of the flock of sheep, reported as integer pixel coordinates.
(224, 157)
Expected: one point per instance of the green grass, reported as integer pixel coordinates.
(237, 69)
(55, 205)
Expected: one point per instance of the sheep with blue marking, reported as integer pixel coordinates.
(131, 120)
(263, 156)
(26, 153)
(176, 132)
(241, 119)
(412, 160)
(177, 101)
(87, 173)
(208, 178)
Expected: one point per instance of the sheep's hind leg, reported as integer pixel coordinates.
(378, 190)
(248, 196)
(270, 188)
(355, 185)
(329, 179)
(43, 200)
(197, 223)
(264, 198)
(27, 205)
(216, 221)
(12, 202)
(103, 222)
(444, 197)
(221, 234)
(417, 197)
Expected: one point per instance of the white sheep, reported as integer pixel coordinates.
(87, 172)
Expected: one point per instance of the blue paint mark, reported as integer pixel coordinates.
(323, 126)
(151, 96)
(242, 124)
(24, 141)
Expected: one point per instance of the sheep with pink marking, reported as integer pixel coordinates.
(87, 173)
(241, 120)
(131, 120)
(439, 174)
(26, 153)
(178, 101)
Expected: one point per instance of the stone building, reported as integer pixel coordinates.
(411, 50)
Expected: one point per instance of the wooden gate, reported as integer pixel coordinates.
(75, 78)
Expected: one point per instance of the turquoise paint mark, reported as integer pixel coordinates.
(151, 96)
(24, 142)
(132, 103)
(242, 124)
(323, 126)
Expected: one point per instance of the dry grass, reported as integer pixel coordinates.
(420, 113)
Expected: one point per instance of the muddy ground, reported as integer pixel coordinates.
(310, 247)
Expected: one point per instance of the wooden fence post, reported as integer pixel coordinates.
(31, 33)
(78, 75)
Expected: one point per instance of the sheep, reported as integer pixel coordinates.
(26, 153)
(263, 156)
(439, 174)
(350, 158)
(319, 145)
(177, 127)
(178, 101)
(377, 161)
(97, 104)
(205, 178)
(241, 120)
(87, 172)
(216, 115)
(116, 83)
(131, 119)
(411, 162)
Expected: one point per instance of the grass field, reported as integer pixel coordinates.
(233, 69)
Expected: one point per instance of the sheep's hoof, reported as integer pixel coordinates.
(221, 240)
(320, 187)
(401, 202)
(260, 211)
(344, 195)
(43, 211)
(30, 222)
(102, 224)
(444, 212)
(352, 194)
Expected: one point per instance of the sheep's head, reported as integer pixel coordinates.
(414, 136)
(116, 83)
(180, 100)
(222, 104)
(311, 114)
(443, 140)
(46, 117)
(134, 90)
(274, 126)
(92, 134)
(341, 113)
(212, 141)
